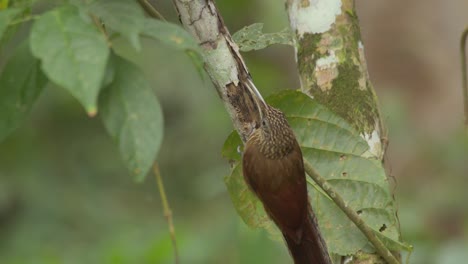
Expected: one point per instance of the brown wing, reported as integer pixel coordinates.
(280, 185)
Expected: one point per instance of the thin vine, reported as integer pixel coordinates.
(166, 210)
(464, 73)
(379, 246)
(151, 10)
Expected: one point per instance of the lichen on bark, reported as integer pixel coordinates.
(333, 70)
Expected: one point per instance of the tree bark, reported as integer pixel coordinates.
(333, 70)
(223, 62)
(332, 65)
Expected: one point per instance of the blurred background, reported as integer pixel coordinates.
(65, 196)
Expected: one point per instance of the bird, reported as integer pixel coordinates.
(273, 168)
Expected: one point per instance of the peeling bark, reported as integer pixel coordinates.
(223, 62)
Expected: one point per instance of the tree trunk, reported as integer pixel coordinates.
(333, 70)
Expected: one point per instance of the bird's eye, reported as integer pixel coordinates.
(263, 123)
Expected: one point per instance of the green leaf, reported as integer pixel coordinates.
(170, 34)
(175, 37)
(20, 84)
(197, 60)
(6, 16)
(123, 16)
(11, 23)
(336, 151)
(252, 38)
(132, 116)
(247, 206)
(231, 148)
(73, 53)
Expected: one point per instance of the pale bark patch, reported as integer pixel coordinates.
(315, 17)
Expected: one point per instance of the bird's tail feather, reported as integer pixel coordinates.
(311, 249)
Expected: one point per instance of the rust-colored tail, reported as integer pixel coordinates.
(312, 248)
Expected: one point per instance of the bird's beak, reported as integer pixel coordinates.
(259, 101)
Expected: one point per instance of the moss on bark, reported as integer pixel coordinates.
(350, 94)
(346, 98)
(307, 50)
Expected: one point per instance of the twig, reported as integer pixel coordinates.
(101, 28)
(150, 10)
(166, 209)
(24, 19)
(381, 249)
(464, 74)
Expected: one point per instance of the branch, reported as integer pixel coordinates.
(352, 215)
(223, 62)
(464, 73)
(167, 210)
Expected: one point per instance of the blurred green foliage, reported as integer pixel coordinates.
(66, 197)
(69, 199)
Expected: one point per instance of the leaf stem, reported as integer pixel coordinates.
(464, 73)
(150, 10)
(166, 209)
(381, 249)
(23, 19)
(101, 28)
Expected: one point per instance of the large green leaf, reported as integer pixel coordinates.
(336, 151)
(249, 208)
(247, 205)
(132, 116)
(20, 84)
(123, 16)
(73, 53)
(6, 16)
